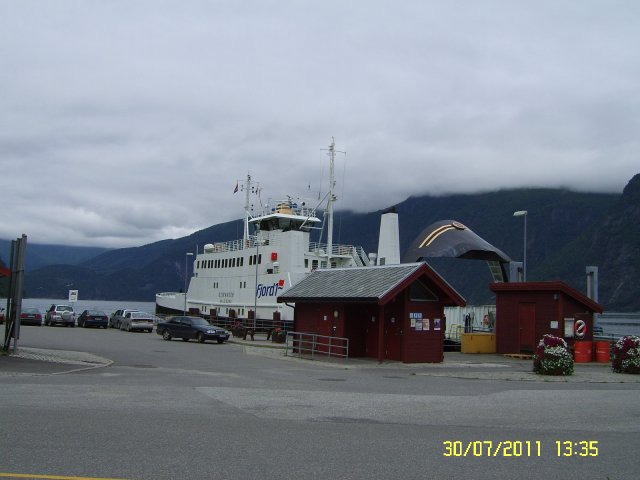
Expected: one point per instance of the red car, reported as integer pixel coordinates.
(31, 316)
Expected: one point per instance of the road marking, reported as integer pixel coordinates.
(52, 477)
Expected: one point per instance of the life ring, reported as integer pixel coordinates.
(580, 328)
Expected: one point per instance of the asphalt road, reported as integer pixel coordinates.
(176, 410)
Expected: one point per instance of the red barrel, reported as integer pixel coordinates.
(603, 351)
(583, 350)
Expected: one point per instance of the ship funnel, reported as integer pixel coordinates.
(389, 240)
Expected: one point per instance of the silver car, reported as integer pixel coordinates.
(137, 321)
(62, 314)
(115, 320)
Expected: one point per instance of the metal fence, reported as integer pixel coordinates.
(310, 345)
(261, 325)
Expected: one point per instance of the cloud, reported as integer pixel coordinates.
(125, 123)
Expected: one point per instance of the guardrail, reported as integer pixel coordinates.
(310, 345)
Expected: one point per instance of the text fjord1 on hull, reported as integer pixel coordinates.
(233, 279)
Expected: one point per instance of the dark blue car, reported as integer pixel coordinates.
(93, 318)
(186, 328)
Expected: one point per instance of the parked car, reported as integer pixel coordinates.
(31, 316)
(116, 317)
(137, 321)
(63, 314)
(186, 327)
(93, 318)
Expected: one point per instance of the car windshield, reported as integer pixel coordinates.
(141, 315)
(96, 313)
(64, 308)
(199, 321)
(30, 310)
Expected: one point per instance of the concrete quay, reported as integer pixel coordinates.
(38, 361)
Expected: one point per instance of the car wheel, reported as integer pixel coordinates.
(166, 335)
(185, 339)
(200, 337)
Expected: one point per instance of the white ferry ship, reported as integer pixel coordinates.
(237, 278)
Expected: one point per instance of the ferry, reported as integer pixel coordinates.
(236, 278)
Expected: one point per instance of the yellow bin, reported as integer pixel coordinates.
(478, 343)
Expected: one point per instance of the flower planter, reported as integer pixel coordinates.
(552, 357)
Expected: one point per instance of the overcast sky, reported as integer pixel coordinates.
(127, 122)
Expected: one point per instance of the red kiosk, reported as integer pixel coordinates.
(391, 312)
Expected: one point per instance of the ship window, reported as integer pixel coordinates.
(250, 259)
(241, 261)
(306, 263)
(233, 262)
(260, 259)
(314, 264)
(226, 263)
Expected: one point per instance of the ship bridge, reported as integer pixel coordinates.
(286, 215)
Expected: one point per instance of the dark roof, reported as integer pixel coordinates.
(549, 287)
(365, 284)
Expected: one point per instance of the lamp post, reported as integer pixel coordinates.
(255, 298)
(523, 213)
(186, 257)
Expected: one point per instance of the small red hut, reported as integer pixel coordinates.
(527, 311)
(390, 312)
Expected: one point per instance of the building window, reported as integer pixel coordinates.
(419, 292)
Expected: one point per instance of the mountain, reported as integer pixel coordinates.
(614, 246)
(565, 232)
(39, 256)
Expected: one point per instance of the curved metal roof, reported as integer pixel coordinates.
(449, 238)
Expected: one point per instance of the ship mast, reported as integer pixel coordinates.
(332, 198)
(247, 190)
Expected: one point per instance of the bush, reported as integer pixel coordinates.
(626, 355)
(278, 335)
(552, 357)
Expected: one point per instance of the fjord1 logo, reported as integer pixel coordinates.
(269, 290)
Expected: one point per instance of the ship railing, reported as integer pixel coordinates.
(286, 207)
(240, 244)
(336, 250)
(312, 346)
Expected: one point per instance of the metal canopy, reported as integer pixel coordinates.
(449, 238)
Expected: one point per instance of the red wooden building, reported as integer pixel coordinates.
(391, 312)
(526, 311)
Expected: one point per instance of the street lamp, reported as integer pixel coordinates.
(186, 257)
(255, 298)
(523, 213)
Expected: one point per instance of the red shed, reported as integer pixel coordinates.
(527, 311)
(393, 312)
